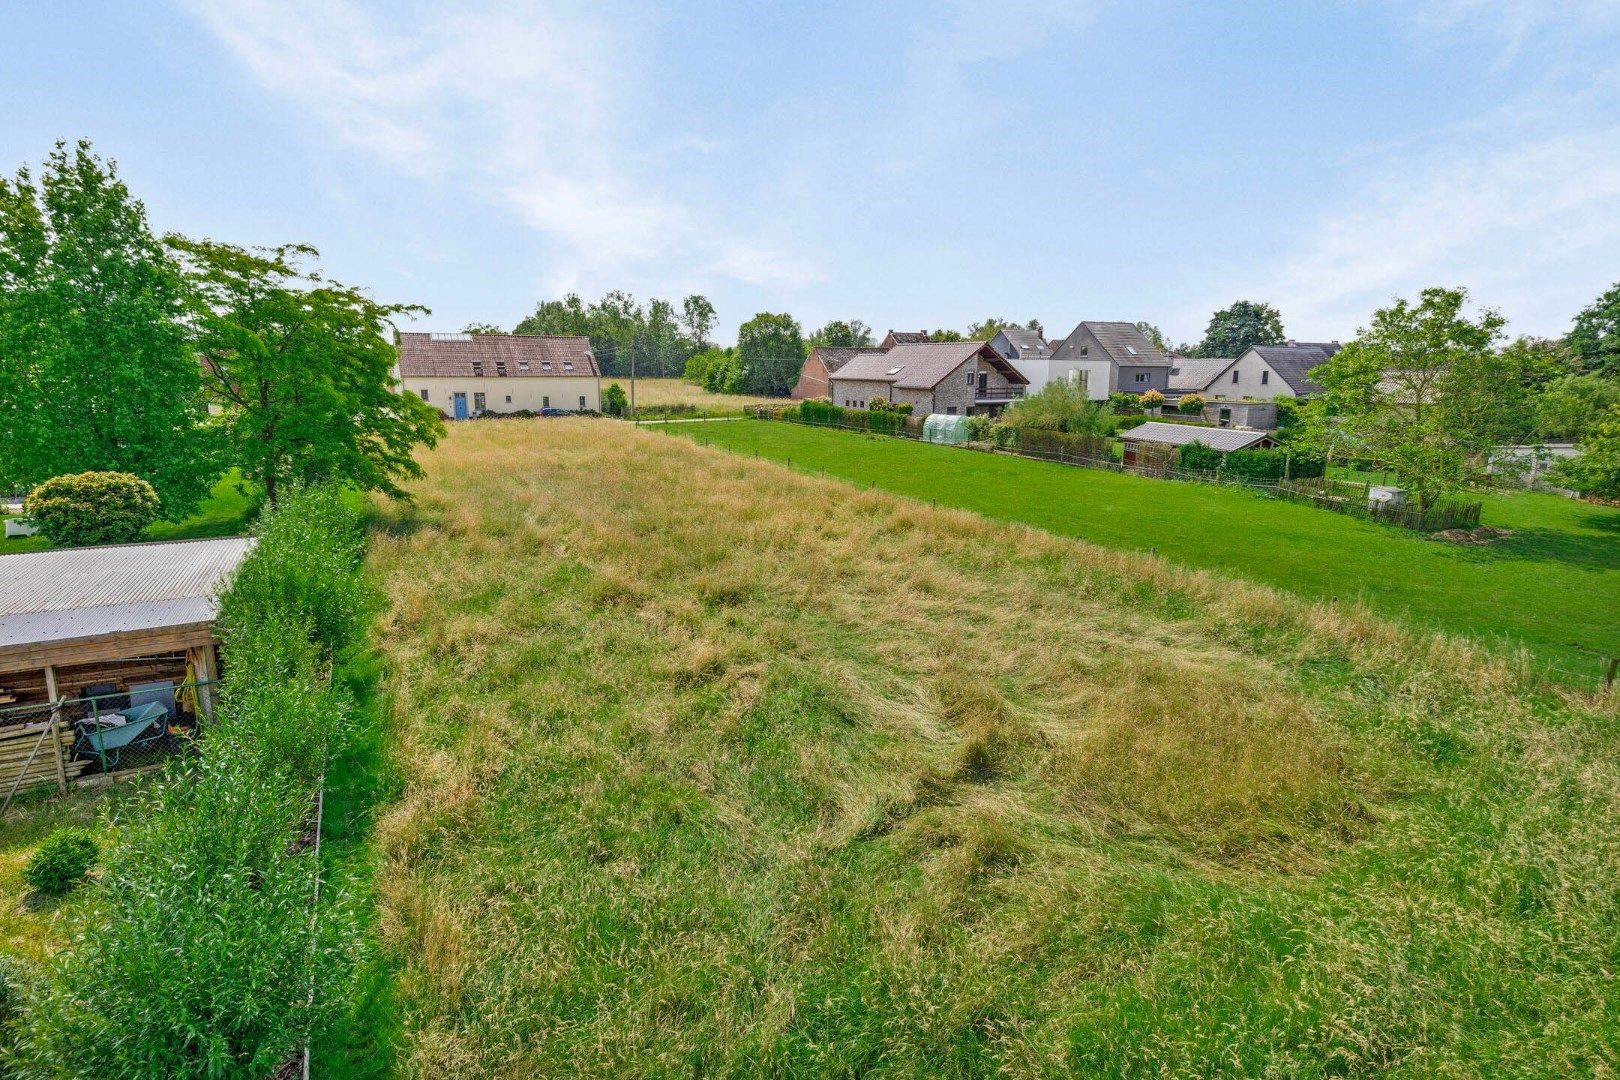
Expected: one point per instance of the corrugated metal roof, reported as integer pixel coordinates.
(1182, 434)
(82, 592)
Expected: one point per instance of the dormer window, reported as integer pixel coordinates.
(500, 367)
(478, 368)
(545, 365)
(568, 365)
(523, 365)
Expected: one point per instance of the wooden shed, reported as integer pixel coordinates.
(89, 636)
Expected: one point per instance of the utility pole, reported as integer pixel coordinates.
(632, 384)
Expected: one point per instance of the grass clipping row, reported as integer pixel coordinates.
(713, 766)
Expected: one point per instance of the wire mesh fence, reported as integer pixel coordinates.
(1339, 496)
(61, 741)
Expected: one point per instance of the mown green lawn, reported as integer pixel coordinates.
(1552, 587)
(226, 512)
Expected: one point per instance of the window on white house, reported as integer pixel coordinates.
(424, 395)
(1234, 376)
(509, 399)
(478, 402)
(582, 401)
(1265, 377)
(545, 402)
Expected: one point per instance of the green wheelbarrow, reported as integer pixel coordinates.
(143, 725)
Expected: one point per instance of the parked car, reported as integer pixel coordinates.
(553, 412)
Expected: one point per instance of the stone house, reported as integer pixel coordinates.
(955, 378)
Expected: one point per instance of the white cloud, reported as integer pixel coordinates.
(514, 102)
(1520, 204)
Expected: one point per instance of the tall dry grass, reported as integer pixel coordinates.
(717, 767)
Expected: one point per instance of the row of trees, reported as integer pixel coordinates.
(652, 338)
(1426, 391)
(175, 359)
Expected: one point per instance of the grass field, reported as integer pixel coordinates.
(1552, 587)
(712, 767)
(226, 512)
(679, 392)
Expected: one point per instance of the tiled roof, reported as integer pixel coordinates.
(1291, 362)
(473, 355)
(1189, 375)
(833, 357)
(921, 367)
(1122, 341)
(1030, 340)
(909, 337)
(1181, 434)
(71, 593)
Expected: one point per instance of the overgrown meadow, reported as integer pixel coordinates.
(714, 767)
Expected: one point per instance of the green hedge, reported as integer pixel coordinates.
(92, 508)
(199, 958)
(1265, 465)
(878, 421)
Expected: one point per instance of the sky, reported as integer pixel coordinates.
(908, 164)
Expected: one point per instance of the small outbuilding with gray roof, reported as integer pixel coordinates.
(88, 635)
(1161, 434)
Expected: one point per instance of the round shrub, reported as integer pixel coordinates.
(1152, 399)
(1191, 404)
(62, 861)
(92, 508)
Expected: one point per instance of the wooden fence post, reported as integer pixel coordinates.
(56, 728)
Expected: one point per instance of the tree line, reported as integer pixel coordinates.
(174, 359)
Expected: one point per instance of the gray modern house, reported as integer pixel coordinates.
(1110, 357)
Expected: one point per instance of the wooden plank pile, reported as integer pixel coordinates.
(18, 742)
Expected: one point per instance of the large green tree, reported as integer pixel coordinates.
(1597, 470)
(1570, 407)
(302, 368)
(851, 334)
(697, 320)
(988, 328)
(1422, 392)
(95, 370)
(1234, 330)
(652, 337)
(1595, 337)
(770, 349)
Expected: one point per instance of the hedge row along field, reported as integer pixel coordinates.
(197, 956)
(716, 768)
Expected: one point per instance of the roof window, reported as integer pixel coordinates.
(523, 365)
(895, 370)
(568, 365)
(545, 365)
(451, 337)
(1131, 349)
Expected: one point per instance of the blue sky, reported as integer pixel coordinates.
(908, 164)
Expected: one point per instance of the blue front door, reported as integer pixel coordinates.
(461, 406)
